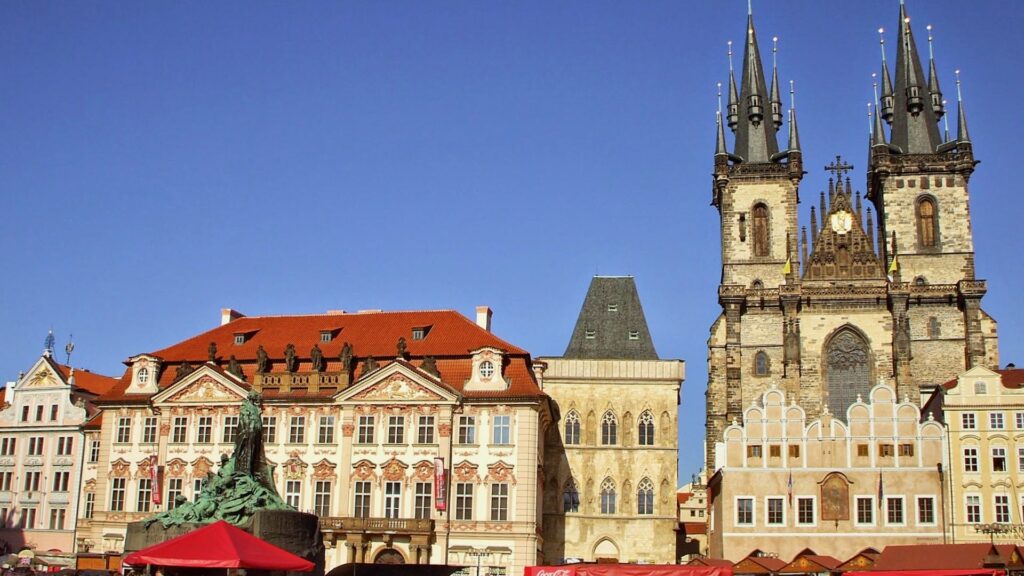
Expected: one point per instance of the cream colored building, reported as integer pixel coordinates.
(984, 415)
(354, 428)
(692, 504)
(785, 482)
(611, 461)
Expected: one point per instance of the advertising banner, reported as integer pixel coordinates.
(440, 485)
(154, 475)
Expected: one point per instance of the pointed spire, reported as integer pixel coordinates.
(945, 123)
(914, 128)
(803, 243)
(870, 229)
(878, 134)
(814, 225)
(831, 197)
(886, 105)
(794, 135)
(755, 138)
(776, 99)
(961, 121)
(857, 209)
(720, 149)
(733, 115)
(823, 212)
(938, 104)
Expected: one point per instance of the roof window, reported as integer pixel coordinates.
(613, 307)
(420, 332)
(590, 334)
(634, 334)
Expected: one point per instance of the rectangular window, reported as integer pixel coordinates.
(925, 510)
(7, 446)
(230, 432)
(970, 459)
(197, 488)
(124, 430)
(297, 430)
(28, 518)
(322, 498)
(774, 451)
(94, 451)
(174, 489)
(894, 510)
(463, 501)
(396, 430)
(418, 333)
(754, 451)
(325, 432)
(995, 420)
(204, 430)
(117, 488)
(179, 431)
(425, 430)
(90, 504)
(794, 451)
(61, 480)
(24, 413)
(906, 449)
(270, 429)
(999, 459)
(326, 335)
(6, 481)
(634, 334)
(65, 445)
(53, 414)
(973, 504)
(590, 334)
(149, 430)
(1002, 502)
(424, 499)
(886, 450)
(365, 430)
(39, 413)
(862, 450)
(1020, 459)
(745, 511)
(613, 307)
(775, 512)
(499, 502)
(361, 502)
(35, 446)
(145, 495)
(392, 499)
(501, 429)
(805, 511)
(467, 430)
(967, 421)
(293, 493)
(57, 517)
(865, 510)
(1019, 420)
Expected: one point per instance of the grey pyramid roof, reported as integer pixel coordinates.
(611, 313)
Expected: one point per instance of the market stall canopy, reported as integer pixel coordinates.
(219, 545)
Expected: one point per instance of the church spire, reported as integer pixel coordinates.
(914, 128)
(938, 106)
(720, 149)
(776, 99)
(733, 113)
(755, 138)
(794, 135)
(961, 122)
(886, 105)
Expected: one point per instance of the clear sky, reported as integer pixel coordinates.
(162, 160)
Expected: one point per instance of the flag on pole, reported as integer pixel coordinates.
(881, 489)
(893, 265)
(788, 267)
(789, 485)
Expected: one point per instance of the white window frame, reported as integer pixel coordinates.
(229, 430)
(996, 421)
(149, 430)
(365, 429)
(325, 430)
(1006, 463)
(362, 504)
(501, 423)
(297, 430)
(995, 509)
(425, 430)
(179, 430)
(1019, 420)
(204, 430)
(322, 490)
(814, 511)
(500, 498)
(979, 504)
(753, 510)
(872, 506)
(293, 493)
(392, 500)
(396, 430)
(269, 429)
(971, 453)
(903, 509)
(767, 508)
(123, 434)
(968, 421)
(94, 451)
(467, 430)
(917, 509)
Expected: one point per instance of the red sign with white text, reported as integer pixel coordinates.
(440, 487)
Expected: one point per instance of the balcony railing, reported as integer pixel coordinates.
(391, 525)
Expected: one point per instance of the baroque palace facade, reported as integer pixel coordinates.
(882, 297)
(415, 436)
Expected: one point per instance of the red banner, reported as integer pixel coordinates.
(154, 475)
(440, 487)
(626, 570)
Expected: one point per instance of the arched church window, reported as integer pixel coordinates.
(645, 429)
(761, 364)
(570, 497)
(920, 281)
(760, 230)
(927, 222)
(757, 285)
(608, 496)
(609, 429)
(848, 370)
(645, 497)
(572, 428)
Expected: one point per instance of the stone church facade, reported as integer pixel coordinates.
(881, 290)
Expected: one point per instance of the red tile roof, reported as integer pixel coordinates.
(450, 337)
(1011, 378)
(691, 528)
(87, 381)
(759, 565)
(933, 556)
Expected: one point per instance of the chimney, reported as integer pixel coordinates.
(483, 317)
(228, 315)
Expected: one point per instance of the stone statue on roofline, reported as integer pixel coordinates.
(211, 352)
(346, 357)
(262, 362)
(317, 356)
(291, 361)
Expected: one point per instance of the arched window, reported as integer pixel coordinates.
(572, 428)
(570, 497)
(645, 429)
(143, 375)
(927, 222)
(608, 496)
(645, 497)
(920, 281)
(847, 362)
(761, 239)
(757, 285)
(609, 429)
(761, 364)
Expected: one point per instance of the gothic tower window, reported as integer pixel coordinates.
(761, 364)
(572, 428)
(927, 222)
(570, 497)
(760, 230)
(847, 369)
(608, 496)
(645, 497)
(933, 327)
(609, 429)
(645, 431)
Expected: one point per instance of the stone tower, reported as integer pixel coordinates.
(825, 317)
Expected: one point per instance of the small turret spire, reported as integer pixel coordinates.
(933, 80)
(776, 99)
(794, 134)
(886, 105)
(945, 123)
(814, 226)
(803, 243)
(755, 138)
(822, 211)
(733, 115)
(870, 229)
(720, 149)
(961, 122)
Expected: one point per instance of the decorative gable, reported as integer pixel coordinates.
(842, 250)
(398, 382)
(204, 386)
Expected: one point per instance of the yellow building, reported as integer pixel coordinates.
(611, 462)
(984, 415)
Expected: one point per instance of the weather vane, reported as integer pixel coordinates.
(48, 343)
(69, 348)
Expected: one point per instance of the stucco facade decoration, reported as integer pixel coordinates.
(42, 446)
(786, 482)
(610, 470)
(371, 434)
(984, 415)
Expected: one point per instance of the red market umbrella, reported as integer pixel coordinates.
(219, 545)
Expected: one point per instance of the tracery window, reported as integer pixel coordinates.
(572, 428)
(760, 230)
(609, 429)
(848, 369)
(645, 429)
(927, 223)
(761, 364)
(645, 497)
(570, 497)
(608, 496)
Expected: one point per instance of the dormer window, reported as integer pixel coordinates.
(419, 333)
(486, 369)
(239, 339)
(634, 334)
(613, 307)
(143, 376)
(326, 335)
(590, 334)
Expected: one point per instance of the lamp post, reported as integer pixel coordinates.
(478, 553)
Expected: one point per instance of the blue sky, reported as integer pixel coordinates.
(162, 160)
